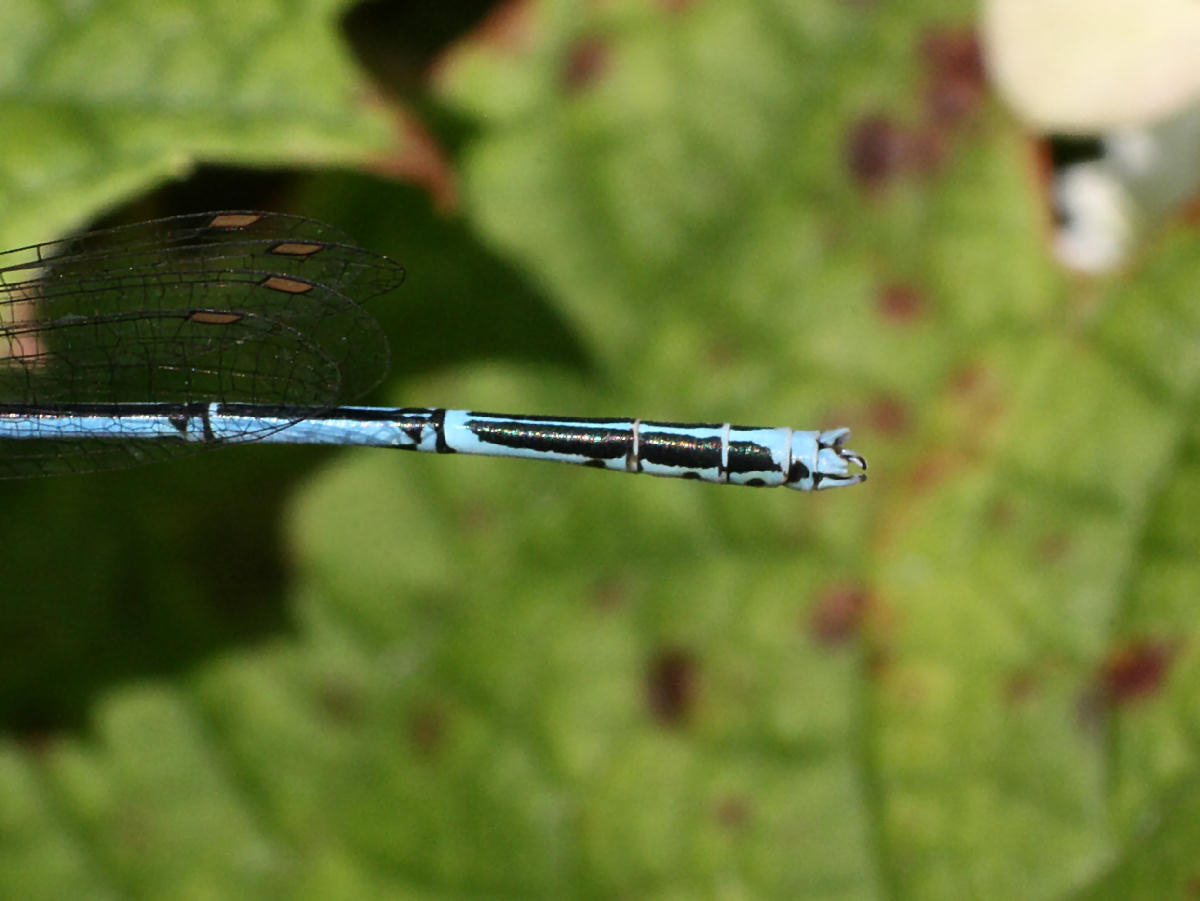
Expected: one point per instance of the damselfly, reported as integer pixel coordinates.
(136, 343)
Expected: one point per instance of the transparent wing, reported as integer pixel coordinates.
(238, 240)
(180, 311)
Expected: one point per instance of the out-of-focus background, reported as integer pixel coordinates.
(964, 233)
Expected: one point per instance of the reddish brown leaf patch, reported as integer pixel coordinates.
(877, 150)
(732, 812)
(889, 416)
(671, 683)
(957, 79)
(901, 303)
(341, 702)
(838, 614)
(1134, 671)
(587, 61)
(427, 730)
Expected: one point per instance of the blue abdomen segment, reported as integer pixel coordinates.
(720, 453)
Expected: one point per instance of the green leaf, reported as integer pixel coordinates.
(102, 100)
(970, 677)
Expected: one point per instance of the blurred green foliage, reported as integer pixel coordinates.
(275, 672)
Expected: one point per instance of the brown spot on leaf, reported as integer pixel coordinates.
(957, 79)
(1000, 515)
(341, 701)
(587, 61)
(1134, 671)
(1020, 687)
(427, 729)
(671, 686)
(928, 150)
(876, 151)
(888, 415)
(933, 468)
(969, 380)
(732, 812)
(838, 614)
(879, 662)
(1190, 212)
(901, 303)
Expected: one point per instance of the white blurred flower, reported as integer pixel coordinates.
(1126, 71)
(1088, 66)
